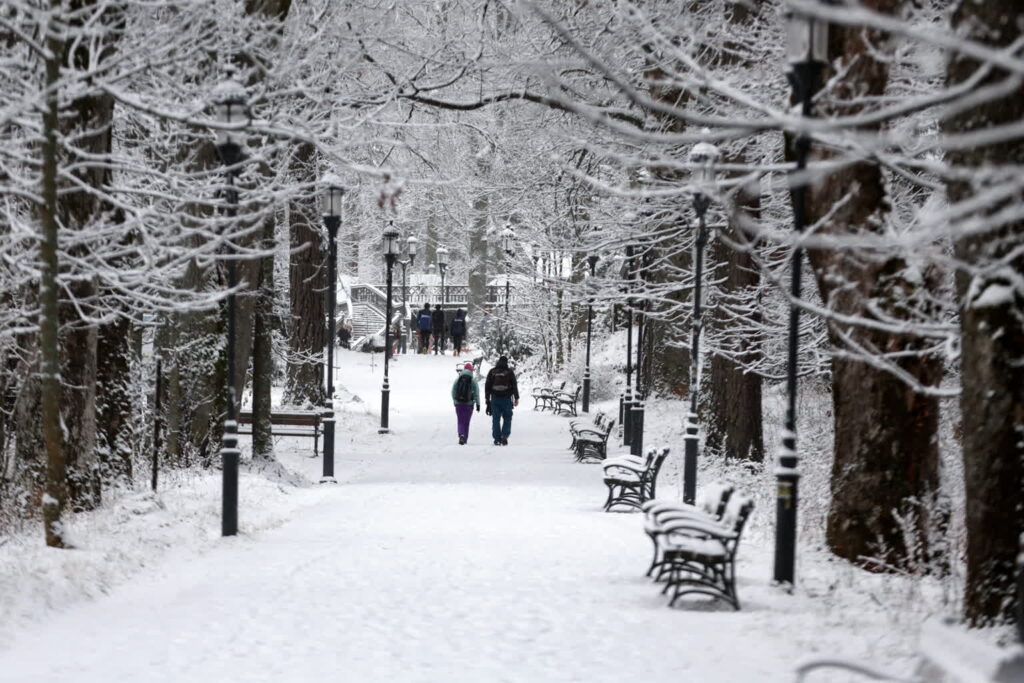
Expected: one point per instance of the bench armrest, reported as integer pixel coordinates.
(627, 460)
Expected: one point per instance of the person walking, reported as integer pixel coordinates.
(423, 324)
(438, 327)
(465, 394)
(501, 393)
(458, 330)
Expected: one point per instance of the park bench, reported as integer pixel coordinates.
(593, 442)
(295, 423)
(631, 480)
(543, 396)
(565, 401)
(946, 654)
(711, 505)
(699, 555)
(575, 426)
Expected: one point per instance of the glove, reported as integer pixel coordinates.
(516, 403)
(478, 407)
(488, 411)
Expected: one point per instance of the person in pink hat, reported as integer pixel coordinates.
(465, 394)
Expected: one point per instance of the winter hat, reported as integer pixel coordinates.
(467, 366)
(503, 362)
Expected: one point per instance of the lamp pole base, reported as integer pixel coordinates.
(328, 480)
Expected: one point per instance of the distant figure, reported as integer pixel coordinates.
(437, 325)
(397, 339)
(423, 324)
(501, 392)
(345, 335)
(458, 330)
(465, 394)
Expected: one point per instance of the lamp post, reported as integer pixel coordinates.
(626, 409)
(703, 158)
(390, 248)
(807, 52)
(331, 195)
(592, 260)
(232, 113)
(442, 265)
(508, 237)
(411, 245)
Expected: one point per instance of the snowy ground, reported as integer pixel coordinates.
(429, 561)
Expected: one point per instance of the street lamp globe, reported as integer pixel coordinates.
(231, 112)
(806, 38)
(332, 192)
(592, 260)
(442, 258)
(391, 242)
(703, 160)
(508, 237)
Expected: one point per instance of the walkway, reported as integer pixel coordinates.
(429, 562)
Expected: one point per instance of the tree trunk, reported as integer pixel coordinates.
(731, 410)
(114, 402)
(308, 290)
(55, 498)
(992, 325)
(263, 353)
(886, 450)
(478, 246)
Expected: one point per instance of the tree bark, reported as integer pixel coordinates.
(308, 296)
(731, 410)
(992, 327)
(885, 450)
(263, 353)
(114, 402)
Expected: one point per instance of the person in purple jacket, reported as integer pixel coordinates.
(465, 394)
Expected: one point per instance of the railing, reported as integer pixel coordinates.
(417, 295)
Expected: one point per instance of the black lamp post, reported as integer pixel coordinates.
(411, 245)
(703, 158)
(331, 195)
(391, 249)
(442, 266)
(807, 53)
(232, 114)
(592, 260)
(626, 409)
(508, 237)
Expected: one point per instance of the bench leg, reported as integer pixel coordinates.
(316, 441)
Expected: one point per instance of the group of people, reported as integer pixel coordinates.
(432, 325)
(501, 396)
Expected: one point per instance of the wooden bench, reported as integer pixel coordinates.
(699, 555)
(947, 654)
(711, 504)
(576, 425)
(295, 423)
(592, 443)
(631, 480)
(565, 402)
(543, 397)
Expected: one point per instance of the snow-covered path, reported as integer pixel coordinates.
(429, 561)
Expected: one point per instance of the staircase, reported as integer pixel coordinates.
(368, 304)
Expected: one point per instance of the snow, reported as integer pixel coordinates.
(427, 561)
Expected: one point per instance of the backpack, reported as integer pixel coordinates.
(501, 381)
(458, 327)
(425, 320)
(464, 389)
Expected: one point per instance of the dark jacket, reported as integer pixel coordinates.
(501, 382)
(458, 326)
(423, 320)
(438, 326)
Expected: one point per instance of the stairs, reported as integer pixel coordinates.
(368, 304)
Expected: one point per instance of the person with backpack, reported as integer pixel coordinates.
(501, 393)
(423, 324)
(465, 394)
(458, 330)
(438, 327)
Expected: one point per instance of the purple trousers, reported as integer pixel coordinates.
(463, 414)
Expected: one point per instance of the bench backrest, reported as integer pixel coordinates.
(737, 512)
(714, 497)
(608, 428)
(655, 460)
